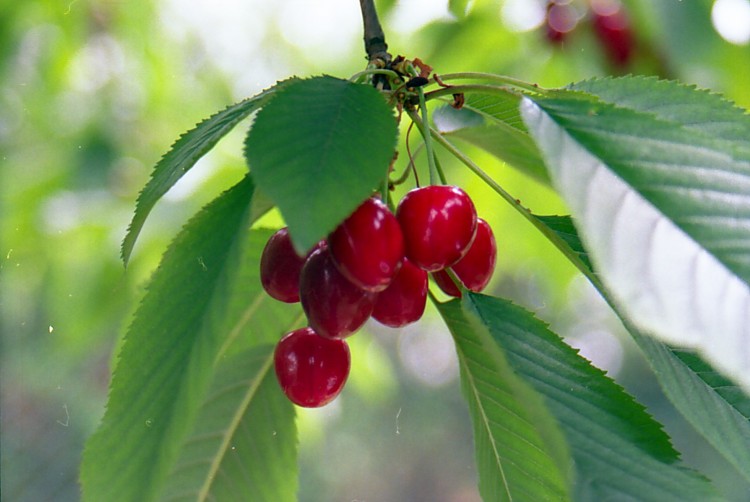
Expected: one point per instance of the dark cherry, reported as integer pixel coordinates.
(311, 369)
(335, 307)
(280, 266)
(403, 301)
(475, 269)
(368, 246)
(613, 29)
(438, 223)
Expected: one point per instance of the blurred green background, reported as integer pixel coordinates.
(93, 93)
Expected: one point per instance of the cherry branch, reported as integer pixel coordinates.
(374, 37)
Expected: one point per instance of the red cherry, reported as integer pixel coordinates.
(438, 223)
(475, 269)
(403, 301)
(335, 307)
(311, 369)
(613, 29)
(280, 266)
(368, 246)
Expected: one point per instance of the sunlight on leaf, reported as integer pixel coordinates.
(493, 122)
(665, 217)
(718, 409)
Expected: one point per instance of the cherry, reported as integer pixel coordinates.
(561, 21)
(335, 307)
(280, 266)
(311, 369)
(368, 246)
(612, 28)
(475, 269)
(439, 223)
(403, 301)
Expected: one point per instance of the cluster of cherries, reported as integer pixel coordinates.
(374, 264)
(610, 22)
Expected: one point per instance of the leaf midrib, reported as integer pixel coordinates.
(485, 421)
(246, 400)
(252, 390)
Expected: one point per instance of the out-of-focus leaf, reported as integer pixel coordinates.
(520, 452)
(619, 451)
(244, 443)
(493, 122)
(183, 155)
(507, 144)
(329, 139)
(458, 8)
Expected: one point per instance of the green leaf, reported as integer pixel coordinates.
(329, 139)
(500, 106)
(458, 8)
(717, 409)
(563, 226)
(493, 122)
(729, 392)
(694, 109)
(664, 212)
(244, 444)
(168, 356)
(183, 155)
(619, 451)
(520, 452)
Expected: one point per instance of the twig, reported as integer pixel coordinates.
(374, 37)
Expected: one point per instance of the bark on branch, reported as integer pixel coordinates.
(374, 37)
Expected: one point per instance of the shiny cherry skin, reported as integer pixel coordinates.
(403, 301)
(280, 266)
(335, 307)
(475, 269)
(311, 369)
(438, 223)
(368, 246)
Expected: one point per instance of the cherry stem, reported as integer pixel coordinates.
(506, 81)
(410, 167)
(440, 172)
(427, 138)
(357, 77)
(555, 239)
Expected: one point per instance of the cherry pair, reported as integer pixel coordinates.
(443, 233)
